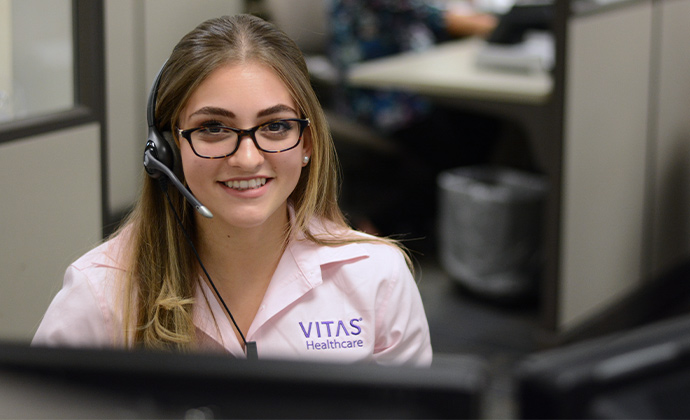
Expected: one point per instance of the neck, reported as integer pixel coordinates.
(234, 254)
(241, 263)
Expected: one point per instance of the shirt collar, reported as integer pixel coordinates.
(300, 270)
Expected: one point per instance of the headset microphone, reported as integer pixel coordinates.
(159, 155)
(151, 163)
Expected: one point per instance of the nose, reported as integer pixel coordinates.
(247, 156)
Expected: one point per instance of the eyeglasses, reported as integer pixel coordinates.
(218, 141)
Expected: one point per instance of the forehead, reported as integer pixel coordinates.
(240, 88)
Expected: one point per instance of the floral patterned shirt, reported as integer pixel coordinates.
(368, 29)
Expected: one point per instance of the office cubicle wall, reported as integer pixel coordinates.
(670, 159)
(605, 137)
(625, 149)
(50, 161)
(51, 211)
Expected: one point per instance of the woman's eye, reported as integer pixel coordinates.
(211, 124)
(277, 126)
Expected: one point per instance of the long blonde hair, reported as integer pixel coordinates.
(162, 270)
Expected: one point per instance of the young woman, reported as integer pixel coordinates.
(276, 267)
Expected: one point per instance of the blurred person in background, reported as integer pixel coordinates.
(432, 138)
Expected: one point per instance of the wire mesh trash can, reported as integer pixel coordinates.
(490, 228)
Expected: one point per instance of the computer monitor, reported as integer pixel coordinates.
(74, 383)
(523, 16)
(642, 373)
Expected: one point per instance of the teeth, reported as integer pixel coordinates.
(246, 184)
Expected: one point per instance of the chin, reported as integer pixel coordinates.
(250, 219)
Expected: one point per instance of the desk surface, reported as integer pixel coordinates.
(450, 70)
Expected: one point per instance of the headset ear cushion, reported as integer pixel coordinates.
(156, 148)
(175, 151)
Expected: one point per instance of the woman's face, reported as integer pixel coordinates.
(250, 187)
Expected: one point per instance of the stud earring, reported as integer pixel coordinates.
(305, 159)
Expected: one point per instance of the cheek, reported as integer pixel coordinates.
(186, 159)
(186, 153)
(288, 169)
(193, 168)
(291, 165)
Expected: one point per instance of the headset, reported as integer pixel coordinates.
(161, 160)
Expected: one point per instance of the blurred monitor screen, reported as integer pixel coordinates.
(643, 373)
(70, 383)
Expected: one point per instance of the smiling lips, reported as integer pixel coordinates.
(246, 184)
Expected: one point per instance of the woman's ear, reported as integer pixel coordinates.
(307, 146)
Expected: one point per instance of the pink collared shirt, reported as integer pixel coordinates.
(349, 303)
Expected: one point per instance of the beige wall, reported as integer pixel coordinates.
(5, 57)
(670, 175)
(51, 213)
(626, 191)
(35, 42)
(604, 167)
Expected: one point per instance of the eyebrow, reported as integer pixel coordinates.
(212, 110)
(276, 109)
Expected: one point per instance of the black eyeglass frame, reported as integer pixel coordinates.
(251, 132)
